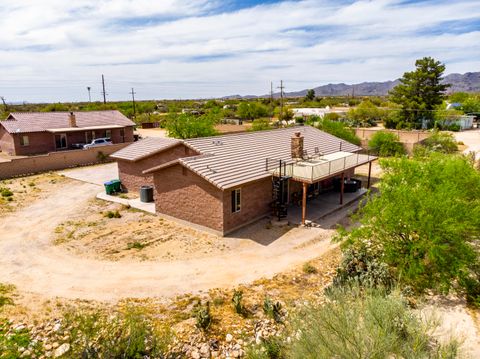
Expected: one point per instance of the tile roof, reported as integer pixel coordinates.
(231, 160)
(145, 148)
(22, 122)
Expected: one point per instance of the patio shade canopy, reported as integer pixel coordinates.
(319, 167)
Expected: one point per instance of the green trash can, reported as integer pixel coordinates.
(117, 185)
(109, 187)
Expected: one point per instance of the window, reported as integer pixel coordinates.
(24, 141)
(89, 136)
(236, 199)
(108, 133)
(122, 134)
(60, 141)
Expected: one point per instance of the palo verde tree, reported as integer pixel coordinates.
(418, 94)
(425, 223)
(190, 126)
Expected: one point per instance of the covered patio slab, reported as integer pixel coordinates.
(322, 206)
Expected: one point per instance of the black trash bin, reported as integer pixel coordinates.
(146, 194)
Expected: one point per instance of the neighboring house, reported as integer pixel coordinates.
(30, 133)
(316, 111)
(225, 182)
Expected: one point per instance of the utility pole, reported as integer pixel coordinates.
(103, 92)
(133, 101)
(281, 87)
(89, 97)
(272, 107)
(5, 107)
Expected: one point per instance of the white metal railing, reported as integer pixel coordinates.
(315, 169)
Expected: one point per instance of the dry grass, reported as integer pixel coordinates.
(27, 189)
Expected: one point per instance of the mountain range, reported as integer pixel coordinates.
(468, 82)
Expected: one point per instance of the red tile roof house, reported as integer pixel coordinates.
(31, 133)
(226, 182)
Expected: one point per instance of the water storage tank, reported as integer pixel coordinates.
(146, 194)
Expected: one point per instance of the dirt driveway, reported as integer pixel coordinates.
(471, 139)
(93, 174)
(29, 260)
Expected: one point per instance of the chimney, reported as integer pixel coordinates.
(72, 119)
(297, 145)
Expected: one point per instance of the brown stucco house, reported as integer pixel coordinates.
(226, 182)
(30, 133)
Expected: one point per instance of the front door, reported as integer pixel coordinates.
(60, 141)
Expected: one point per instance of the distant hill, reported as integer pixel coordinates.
(468, 82)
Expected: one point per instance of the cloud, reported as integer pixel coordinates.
(52, 50)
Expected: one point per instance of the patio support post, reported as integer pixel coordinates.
(304, 202)
(342, 187)
(369, 173)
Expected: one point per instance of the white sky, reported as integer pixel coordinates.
(51, 50)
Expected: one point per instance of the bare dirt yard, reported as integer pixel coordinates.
(19, 192)
(112, 232)
(62, 245)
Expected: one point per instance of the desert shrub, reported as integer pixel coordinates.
(361, 267)
(425, 222)
(455, 127)
(356, 323)
(386, 144)
(112, 214)
(6, 192)
(309, 268)
(272, 309)
(270, 348)
(203, 316)
(101, 157)
(441, 142)
(128, 334)
(337, 129)
(237, 301)
(136, 245)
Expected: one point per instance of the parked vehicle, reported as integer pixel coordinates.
(99, 142)
(78, 145)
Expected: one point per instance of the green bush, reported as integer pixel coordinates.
(441, 142)
(12, 340)
(425, 222)
(337, 129)
(128, 334)
(361, 267)
(365, 324)
(260, 124)
(270, 348)
(386, 144)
